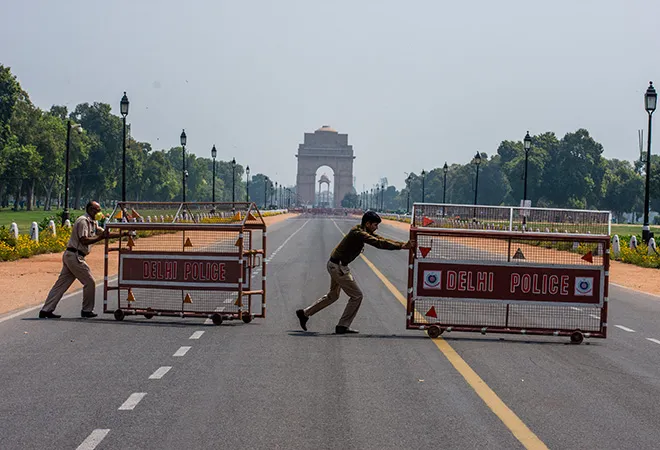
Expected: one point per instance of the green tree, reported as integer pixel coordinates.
(350, 200)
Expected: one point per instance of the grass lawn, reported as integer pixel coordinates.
(23, 219)
(623, 229)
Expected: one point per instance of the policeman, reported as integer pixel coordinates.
(341, 277)
(83, 234)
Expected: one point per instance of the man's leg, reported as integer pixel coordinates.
(350, 286)
(64, 281)
(83, 273)
(332, 295)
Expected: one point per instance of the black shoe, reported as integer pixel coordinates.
(345, 330)
(302, 318)
(48, 315)
(87, 314)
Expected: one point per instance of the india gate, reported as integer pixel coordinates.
(324, 147)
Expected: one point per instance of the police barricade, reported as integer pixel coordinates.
(509, 270)
(187, 260)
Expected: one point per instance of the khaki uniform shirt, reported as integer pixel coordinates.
(353, 243)
(84, 226)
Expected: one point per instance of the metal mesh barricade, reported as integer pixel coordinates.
(485, 275)
(187, 259)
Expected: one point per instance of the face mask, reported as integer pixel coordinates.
(99, 216)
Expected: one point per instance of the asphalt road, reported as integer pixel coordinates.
(118, 385)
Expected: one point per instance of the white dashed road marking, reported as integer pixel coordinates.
(93, 439)
(629, 330)
(653, 340)
(182, 351)
(160, 373)
(132, 401)
(196, 335)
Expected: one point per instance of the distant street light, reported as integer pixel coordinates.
(214, 153)
(123, 109)
(247, 185)
(69, 127)
(265, 191)
(184, 139)
(423, 185)
(408, 180)
(233, 180)
(527, 143)
(445, 169)
(476, 161)
(382, 196)
(650, 101)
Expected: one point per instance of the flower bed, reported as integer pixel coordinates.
(12, 249)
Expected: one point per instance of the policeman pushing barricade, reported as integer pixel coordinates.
(341, 277)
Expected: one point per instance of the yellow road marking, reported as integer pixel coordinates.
(517, 427)
(490, 398)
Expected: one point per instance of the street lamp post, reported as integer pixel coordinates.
(233, 180)
(214, 153)
(69, 126)
(527, 143)
(445, 169)
(408, 180)
(476, 161)
(247, 184)
(265, 192)
(123, 109)
(382, 196)
(423, 185)
(650, 101)
(184, 139)
(276, 203)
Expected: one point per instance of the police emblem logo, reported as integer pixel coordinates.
(432, 279)
(584, 286)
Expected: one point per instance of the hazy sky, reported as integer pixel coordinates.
(413, 83)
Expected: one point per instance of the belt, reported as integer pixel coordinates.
(336, 261)
(75, 250)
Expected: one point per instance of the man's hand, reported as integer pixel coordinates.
(408, 245)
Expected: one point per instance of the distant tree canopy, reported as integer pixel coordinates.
(33, 147)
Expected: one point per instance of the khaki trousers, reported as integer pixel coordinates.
(340, 278)
(74, 267)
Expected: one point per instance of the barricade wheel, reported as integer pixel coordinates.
(148, 315)
(434, 331)
(577, 337)
(217, 319)
(119, 314)
(247, 318)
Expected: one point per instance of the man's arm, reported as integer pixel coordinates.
(99, 237)
(382, 243)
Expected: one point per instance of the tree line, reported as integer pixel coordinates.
(32, 159)
(570, 172)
